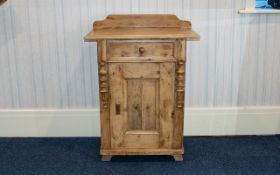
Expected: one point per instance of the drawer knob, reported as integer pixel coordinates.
(141, 50)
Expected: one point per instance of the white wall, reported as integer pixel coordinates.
(44, 62)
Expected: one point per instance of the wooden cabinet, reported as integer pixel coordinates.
(141, 62)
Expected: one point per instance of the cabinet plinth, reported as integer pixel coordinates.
(142, 65)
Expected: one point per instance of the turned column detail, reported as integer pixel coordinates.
(180, 75)
(103, 75)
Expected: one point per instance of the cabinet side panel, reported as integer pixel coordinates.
(104, 95)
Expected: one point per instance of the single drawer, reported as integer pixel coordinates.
(142, 49)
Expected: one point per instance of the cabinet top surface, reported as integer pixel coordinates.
(141, 27)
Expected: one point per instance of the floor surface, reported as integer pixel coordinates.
(80, 156)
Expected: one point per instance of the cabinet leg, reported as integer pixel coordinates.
(178, 157)
(106, 158)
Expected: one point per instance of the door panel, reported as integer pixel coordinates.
(141, 90)
(150, 103)
(117, 122)
(134, 106)
(142, 102)
(167, 104)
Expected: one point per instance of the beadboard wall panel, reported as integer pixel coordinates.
(44, 62)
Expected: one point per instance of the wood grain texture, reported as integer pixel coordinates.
(138, 27)
(117, 121)
(167, 104)
(135, 71)
(142, 104)
(104, 96)
(150, 105)
(141, 49)
(144, 141)
(134, 104)
(138, 33)
(145, 92)
(140, 21)
(180, 95)
(140, 151)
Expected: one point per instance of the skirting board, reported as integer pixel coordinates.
(85, 122)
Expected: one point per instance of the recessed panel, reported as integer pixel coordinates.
(142, 104)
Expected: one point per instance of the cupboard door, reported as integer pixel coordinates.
(142, 104)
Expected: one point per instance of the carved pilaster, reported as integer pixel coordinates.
(103, 75)
(180, 74)
(180, 84)
(180, 94)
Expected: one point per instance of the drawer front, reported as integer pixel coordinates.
(144, 49)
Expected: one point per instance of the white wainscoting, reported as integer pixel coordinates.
(85, 122)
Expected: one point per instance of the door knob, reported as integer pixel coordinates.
(141, 50)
